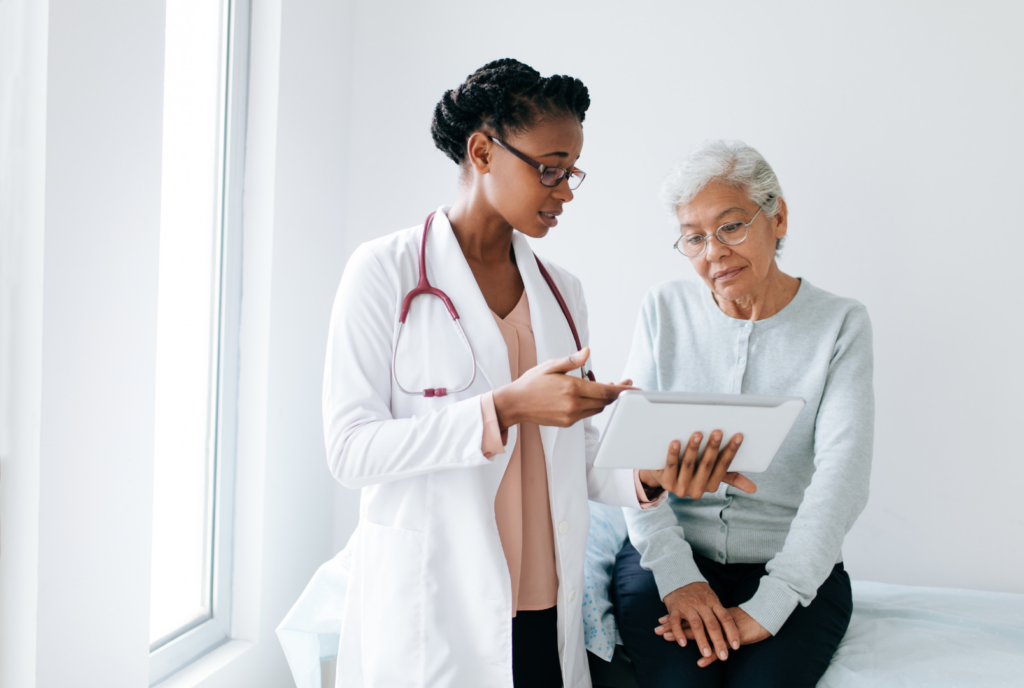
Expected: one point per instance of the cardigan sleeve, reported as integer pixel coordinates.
(656, 532)
(838, 492)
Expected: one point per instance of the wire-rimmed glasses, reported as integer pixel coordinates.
(549, 176)
(730, 234)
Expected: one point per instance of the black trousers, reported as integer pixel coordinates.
(535, 662)
(796, 656)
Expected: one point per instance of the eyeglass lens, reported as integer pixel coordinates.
(730, 234)
(553, 175)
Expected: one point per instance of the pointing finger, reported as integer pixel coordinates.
(598, 390)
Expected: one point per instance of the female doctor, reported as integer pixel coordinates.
(473, 464)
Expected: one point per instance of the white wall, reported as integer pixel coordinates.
(82, 98)
(895, 130)
(22, 151)
(103, 137)
(294, 227)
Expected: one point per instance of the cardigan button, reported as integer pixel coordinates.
(572, 596)
(563, 527)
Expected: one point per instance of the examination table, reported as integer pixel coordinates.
(899, 636)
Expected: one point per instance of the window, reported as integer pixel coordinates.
(197, 329)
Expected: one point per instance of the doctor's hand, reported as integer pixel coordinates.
(547, 395)
(684, 477)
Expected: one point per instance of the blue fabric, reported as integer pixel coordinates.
(606, 537)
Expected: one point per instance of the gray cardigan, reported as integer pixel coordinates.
(818, 348)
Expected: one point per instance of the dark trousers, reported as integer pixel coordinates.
(796, 656)
(535, 661)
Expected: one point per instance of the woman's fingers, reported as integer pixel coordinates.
(588, 403)
(687, 633)
(574, 362)
(729, 627)
(706, 661)
(699, 483)
(666, 476)
(721, 467)
(714, 632)
(682, 622)
(686, 465)
(599, 390)
(677, 630)
(566, 364)
(740, 482)
(697, 626)
(664, 629)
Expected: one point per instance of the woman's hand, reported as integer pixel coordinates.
(546, 395)
(692, 609)
(684, 477)
(750, 631)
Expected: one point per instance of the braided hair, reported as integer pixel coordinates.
(505, 96)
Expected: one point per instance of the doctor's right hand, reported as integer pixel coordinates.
(547, 395)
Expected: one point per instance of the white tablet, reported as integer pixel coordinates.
(643, 424)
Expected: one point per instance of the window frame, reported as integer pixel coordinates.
(206, 634)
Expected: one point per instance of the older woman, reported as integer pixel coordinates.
(737, 589)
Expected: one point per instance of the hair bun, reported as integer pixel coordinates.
(506, 96)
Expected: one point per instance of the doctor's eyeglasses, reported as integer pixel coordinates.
(730, 234)
(549, 176)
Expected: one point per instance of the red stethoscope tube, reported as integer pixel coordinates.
(424, 287)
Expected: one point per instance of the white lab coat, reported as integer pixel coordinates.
(429, 600)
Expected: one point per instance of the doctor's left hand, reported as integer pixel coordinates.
(547, 395)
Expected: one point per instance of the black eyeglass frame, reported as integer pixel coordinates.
(575, 173)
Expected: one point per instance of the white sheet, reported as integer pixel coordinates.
(903, 636)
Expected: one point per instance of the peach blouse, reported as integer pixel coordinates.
(522, 508)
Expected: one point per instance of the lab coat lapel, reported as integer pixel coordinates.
(550, 329)
(448, 270)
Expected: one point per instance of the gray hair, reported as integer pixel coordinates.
(732, 163)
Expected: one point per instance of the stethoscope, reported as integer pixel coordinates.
(424, 287)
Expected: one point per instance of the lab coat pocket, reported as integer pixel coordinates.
(393, 561)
